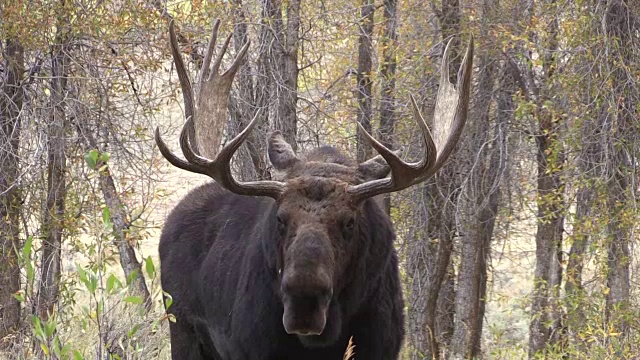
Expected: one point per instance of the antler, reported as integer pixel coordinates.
(213, 97)
(449, 119)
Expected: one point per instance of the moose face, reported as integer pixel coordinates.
(316, 230)
(317, 235)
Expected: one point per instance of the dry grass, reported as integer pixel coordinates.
(350, 353)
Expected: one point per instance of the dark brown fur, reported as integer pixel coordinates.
(235, 264)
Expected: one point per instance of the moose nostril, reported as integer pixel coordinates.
(305, 315)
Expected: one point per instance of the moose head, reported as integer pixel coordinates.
(320, 198)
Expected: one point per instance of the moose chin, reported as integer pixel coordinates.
(296, 267)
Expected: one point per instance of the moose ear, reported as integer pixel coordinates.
(280, 152)
(374, 168)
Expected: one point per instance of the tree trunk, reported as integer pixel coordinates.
(550, 189)
(388, 78)
(287, 119)
(53, 221)
(363, 89)
(245, 106)
(505, 109)
(265, 90)
(10, 108)
(445, 310)
(283, 55)
(449, 18)
(621, 165)
(551, 205)
(128, 261)
(131, 267)
(477, 216)
(420, 258)
(432, 292)
(439, 297)
(446, 189)
(590, 157)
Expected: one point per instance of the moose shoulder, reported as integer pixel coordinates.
(292, 269)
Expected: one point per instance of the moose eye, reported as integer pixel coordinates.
(347, 228)
(282, 223)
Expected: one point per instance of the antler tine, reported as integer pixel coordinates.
(231, 71)
(403, 174)
(206, 64)
(220, 168)
(389, 156)
(173, 159)
(429, 145)
(449, 119)
(450, 131)
(218, 62)
(444, 64)
(186, 146)
(185, 83)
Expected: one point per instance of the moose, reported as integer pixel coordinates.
(296, 267)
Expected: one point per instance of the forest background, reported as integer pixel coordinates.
(523, 246)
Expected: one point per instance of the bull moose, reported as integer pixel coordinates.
(295, 267)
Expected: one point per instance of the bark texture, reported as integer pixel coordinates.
(479, 209)
(252, 159)
(440, 302)
(53, 219)
(279, 51)
(620, 24)
(365, 64)
(11, 101)
(550, 201)
(388, 78)
(432, 301)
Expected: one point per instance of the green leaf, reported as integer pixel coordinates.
(62, 352)
(19, 296)
(89, 280)
(100, 307)
(150, 267)
(26, 250)
(132, 276)
(133, 331)
(91, 157)
(106, 215)
(113, 284)
(26, 259)
(37, 327)
(106, 219)
(133, 299)
(168, 300)
(50, 327)
(105, 156)
(77, 355)
(82, 274)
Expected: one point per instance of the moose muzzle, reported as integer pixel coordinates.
(307, 285)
